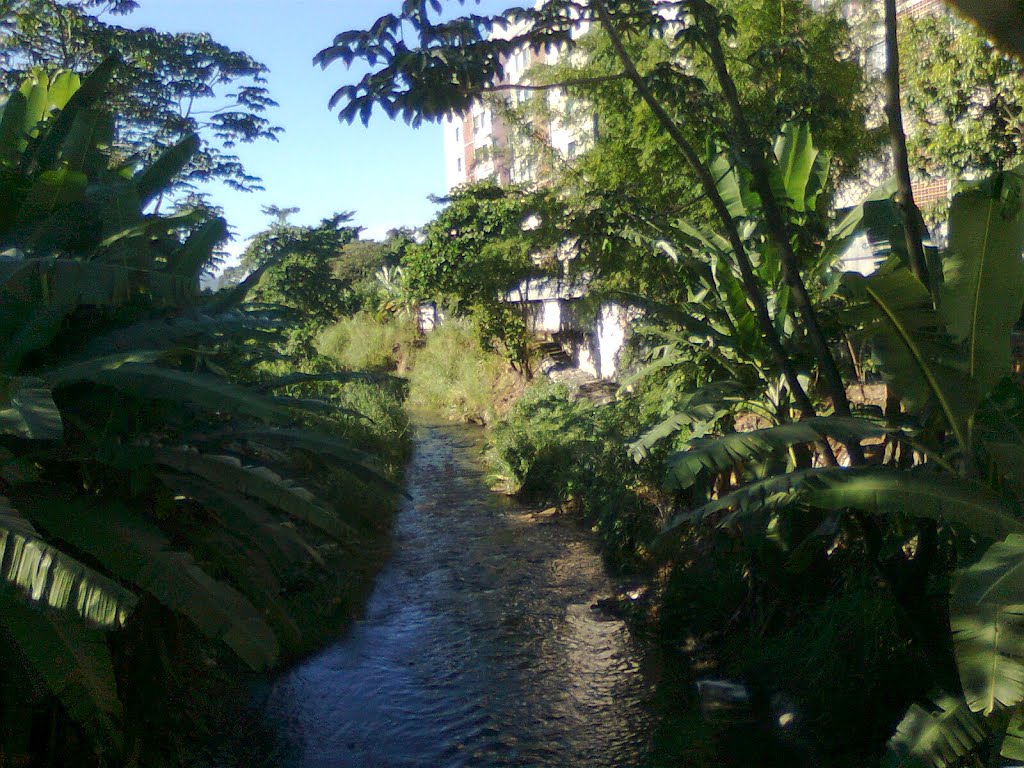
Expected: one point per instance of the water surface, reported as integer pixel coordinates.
(479, 645)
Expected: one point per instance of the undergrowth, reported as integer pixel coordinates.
(448, 372)
(551, 448)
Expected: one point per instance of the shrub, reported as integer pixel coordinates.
(553, 449)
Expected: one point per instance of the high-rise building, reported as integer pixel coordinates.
(493, 140)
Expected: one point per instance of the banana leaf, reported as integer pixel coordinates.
(47, 575)
(987, 619)
(983, 291)
(137, 552)
(940, 734)
(74, 661)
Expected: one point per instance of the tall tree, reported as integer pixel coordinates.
(168, 86)
(966, 98)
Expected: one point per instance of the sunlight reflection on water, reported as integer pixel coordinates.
(479, 646)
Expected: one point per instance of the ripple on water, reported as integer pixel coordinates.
(478, 647)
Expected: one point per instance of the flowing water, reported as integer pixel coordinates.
(479, 646)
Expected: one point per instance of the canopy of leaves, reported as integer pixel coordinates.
(169, 85)
(966, 99)
(300, 262)
(482, 244)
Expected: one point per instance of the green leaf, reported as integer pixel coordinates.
(940, 735)
(46, 152)
(1013, 740)
(856, 221)
(75, 663)
(148, 381)
(879, 491)
(62, 88)
(871, 490)
(258, 483)
(803, 170)
(136, 551)
(733, 184)
(50, 191)
(700, 411)
(720, 454)
(197, 252)
(36, 91)
(754, 499)
(153, 180)
(12, 128)
(47, 575)
(885, 492)
(357, 462)
(987, 619)
(983, 293)
(27, 410)
(894, 310)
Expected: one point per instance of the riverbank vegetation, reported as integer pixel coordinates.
(854, 562)
(447, 371)
(186, 498)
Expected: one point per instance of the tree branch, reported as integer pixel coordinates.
(582, 81)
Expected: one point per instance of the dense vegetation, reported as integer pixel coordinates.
(190, 488)
(181, 497)
(860, 557)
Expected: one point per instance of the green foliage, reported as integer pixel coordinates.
(135, 470)
(452, 375)
(940, 735)
(165, 90)
(965, 97)
(553, 449)
(482, 246)
(748, 296)
(364, 342)
(300, 272)
(988, 628)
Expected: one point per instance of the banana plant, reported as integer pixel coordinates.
(716, 324)
(945, 356)
(132, 467)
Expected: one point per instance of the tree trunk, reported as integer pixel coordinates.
(913, 223)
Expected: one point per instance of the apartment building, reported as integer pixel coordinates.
(492, 140)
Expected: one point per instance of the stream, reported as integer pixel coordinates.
(479, 645)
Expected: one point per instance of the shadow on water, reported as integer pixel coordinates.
(479, 646)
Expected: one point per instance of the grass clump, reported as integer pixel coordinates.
(365, 343)
(452, 375)
(551, 448)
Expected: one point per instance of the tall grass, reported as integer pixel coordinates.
(449, 373)
(452, 375)
(364, 343)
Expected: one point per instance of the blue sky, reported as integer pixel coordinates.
(383, 172)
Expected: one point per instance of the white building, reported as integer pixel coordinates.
(495, 139)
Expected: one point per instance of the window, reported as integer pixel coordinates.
(478, 122)
(508, 102)
(571, 150)
(458, 133)
(458, 164)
